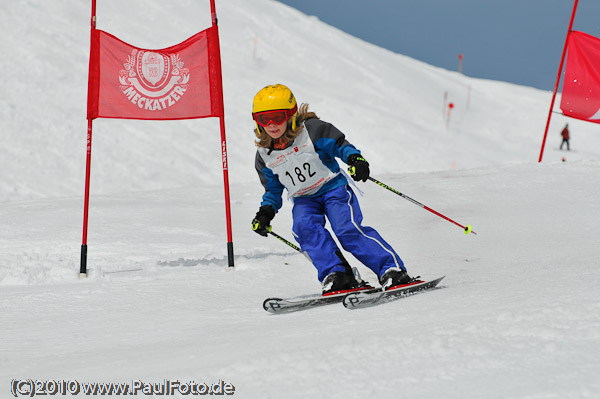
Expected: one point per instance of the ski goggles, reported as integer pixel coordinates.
(277, 116)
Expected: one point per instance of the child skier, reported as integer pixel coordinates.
(297, 151)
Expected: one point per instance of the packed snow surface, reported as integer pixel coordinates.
(517, 316)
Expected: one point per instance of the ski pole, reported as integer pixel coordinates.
(467, 229)
(286, 242)
(338, 253)
(283, 240)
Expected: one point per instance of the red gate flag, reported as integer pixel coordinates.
(581, 86)
(177, 82)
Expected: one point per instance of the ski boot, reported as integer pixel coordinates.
(343, 282)
(394, 277)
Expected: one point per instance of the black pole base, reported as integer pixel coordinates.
(230, 253)
(83, 264)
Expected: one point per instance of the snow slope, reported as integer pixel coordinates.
(518, 315)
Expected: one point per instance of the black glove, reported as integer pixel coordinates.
(261, 223)
(358, 167)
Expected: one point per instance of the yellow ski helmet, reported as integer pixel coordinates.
(274, 98)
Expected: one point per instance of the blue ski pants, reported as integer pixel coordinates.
(343, 212)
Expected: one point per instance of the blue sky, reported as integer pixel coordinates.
(518, 41)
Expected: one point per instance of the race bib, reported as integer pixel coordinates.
(298, 167)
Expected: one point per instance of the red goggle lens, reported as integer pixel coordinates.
(265, 118)
(277, 117)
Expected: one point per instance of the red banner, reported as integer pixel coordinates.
(581, 85)
(179, 82)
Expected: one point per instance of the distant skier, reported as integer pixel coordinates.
(565, 137)
(297, 151)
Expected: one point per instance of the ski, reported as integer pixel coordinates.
(359, 300)
(287, 305)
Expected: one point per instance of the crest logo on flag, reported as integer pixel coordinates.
(153, 68)
(153, 81)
